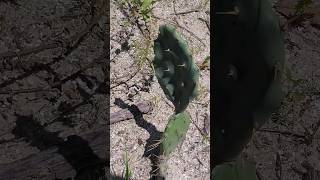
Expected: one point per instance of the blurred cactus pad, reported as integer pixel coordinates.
(236, 170)
(175, 70)
(248, 65)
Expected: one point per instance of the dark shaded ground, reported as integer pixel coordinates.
(287, 146)
(53, 83)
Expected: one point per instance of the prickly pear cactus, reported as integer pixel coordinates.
(247, 69)
(175, 70)
(178, 77)
(175, 132)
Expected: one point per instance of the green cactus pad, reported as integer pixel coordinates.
(175, 132)
(175, 70)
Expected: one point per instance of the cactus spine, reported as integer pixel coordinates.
(178, 77)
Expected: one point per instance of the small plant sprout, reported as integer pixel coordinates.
(127, 173)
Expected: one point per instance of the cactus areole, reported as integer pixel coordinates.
(248, 53)
(174, 68)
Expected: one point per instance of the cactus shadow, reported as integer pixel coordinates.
(152, 130)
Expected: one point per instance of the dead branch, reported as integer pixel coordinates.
(187, 12)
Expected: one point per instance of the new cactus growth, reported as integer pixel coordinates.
(175, 132)
(178, 77)
(175, 70)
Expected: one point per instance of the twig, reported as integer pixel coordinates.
(31, 90)
(25, 52)
(278, 166)
(168, 103)
(206, 124)
(283, 133)
(187, 12)
(199, 9)
(190, 32)
(174, 7)
(128, 79)
(203, 133)
(177, 24)
(206, 22)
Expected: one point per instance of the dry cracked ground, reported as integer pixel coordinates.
(52, 87)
